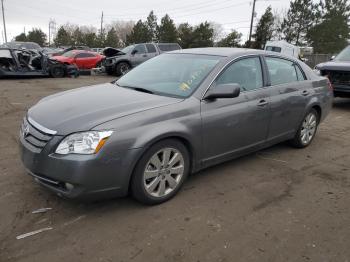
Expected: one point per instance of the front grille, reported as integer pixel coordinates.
(338, 77)
(35, 137)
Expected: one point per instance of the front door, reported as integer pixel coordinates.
(138, 55)
(231, 126)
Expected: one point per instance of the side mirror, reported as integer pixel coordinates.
(223, 91)
(134, 51)
(332, 58)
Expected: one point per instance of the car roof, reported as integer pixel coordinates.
(230, 52)
(219, 51)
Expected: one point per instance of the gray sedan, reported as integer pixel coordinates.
(171, 116)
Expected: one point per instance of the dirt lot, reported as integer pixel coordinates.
(281, 204)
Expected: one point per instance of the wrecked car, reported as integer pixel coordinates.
(119, 62)
(338, 72)
(22, 62)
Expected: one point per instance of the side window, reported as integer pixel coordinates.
(84, 55)
(281, 71)
(300, 75)
(141, 49)
(245, 72)
(151, 48)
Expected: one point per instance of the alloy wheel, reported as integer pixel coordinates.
(308, 128)
(163, 172)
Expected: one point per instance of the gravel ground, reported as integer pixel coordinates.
(280, 204)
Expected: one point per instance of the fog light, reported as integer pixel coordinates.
(69, 186)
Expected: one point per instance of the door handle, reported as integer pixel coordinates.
(305, 93)
(262, 102)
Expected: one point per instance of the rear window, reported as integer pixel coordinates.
(168, 47)
(274, 49)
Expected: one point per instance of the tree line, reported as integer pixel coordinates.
(323, 25)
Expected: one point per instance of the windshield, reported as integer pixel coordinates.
(344, 55)
(128, 49)
(69, 54)
(176, 75)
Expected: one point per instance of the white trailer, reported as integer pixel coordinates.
(283, 47)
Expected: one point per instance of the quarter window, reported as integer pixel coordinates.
(245, 72)
(84, 55)
(283, 71)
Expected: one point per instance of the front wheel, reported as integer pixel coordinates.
(122, 68)
(307, 130)
(160, 172)
(57, 71)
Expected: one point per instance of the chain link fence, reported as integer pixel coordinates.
(314, 59)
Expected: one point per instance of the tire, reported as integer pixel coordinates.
(98, 64)
(307, 130)
(164, 178)
(57, 71)
(122, 68)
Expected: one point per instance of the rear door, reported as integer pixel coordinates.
(290, 94)
(235, 125)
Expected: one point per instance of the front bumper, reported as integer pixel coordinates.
(341, 90)
(87, 177)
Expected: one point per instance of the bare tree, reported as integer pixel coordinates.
(218, 31)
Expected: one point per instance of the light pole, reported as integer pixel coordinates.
(3, 19)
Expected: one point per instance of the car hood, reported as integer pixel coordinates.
(334, 65)
(84, 108)
(111, 52)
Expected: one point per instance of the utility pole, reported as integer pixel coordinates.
(101, 27)
(52, 29)
(251, 22)
(3, 19)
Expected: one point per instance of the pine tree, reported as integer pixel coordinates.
(203, 35)
(331, 34)
(233, 39)
(21, 37)
(152, 25)
(37, 36)
(264, 29)
(185, 34)
(166, 31)
(139, 34)
(300, 18)
(112, 39)
(62, 37)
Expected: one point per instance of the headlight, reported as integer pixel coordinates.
(83, 143)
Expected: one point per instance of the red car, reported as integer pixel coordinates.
(81, 58)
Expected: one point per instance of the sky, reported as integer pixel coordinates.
(23, 15)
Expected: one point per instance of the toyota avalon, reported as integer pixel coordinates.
(173, 115)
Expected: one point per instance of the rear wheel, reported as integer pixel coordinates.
(122, 68)
(57, 71)
(307, 130)
(160, 172)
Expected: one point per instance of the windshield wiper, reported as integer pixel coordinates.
(140, 89)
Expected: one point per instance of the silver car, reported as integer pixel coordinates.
(171, 116)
